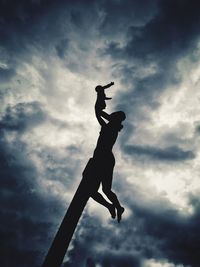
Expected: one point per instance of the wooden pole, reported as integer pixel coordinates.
(65, 232)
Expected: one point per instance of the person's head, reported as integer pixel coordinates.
(117, 116)
(98, 88)
(116, 119)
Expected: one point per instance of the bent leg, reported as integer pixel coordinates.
(101, 200)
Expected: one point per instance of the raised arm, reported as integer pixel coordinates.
(105, 115)
(101, 121)
(99, 114)
(108, 85)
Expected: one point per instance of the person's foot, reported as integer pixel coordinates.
(120, 210)
(112, 211)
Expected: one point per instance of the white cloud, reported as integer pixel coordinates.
(155, 263)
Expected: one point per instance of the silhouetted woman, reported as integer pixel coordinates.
(102, 164)
(104, 161)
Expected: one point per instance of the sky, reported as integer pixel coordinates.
(52, 56)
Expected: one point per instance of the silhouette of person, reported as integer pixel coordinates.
(103, 161)
(101, 97)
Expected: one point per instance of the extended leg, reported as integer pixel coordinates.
(113, 198)
(101, 200)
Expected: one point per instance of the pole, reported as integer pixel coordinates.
(65, 232)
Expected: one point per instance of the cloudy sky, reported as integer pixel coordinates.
(52, 55)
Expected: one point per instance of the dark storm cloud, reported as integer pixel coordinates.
(156, 153)
(44, 28)
(158, 33)
(113, 251)
(26, 222)
(119, 259)
(178, 236)
(6, 74)
(170, 34)
(61, 47)
(27, 226)
(22, 116)
(62, 169)
(197, 129)
(15, 16)
(119, 15)
(25, 212)
(27, 21)
(106, 259)
(28, 25)
(153, 231)
(160, 232)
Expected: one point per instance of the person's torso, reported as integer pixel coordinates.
(107, 138)
(100, 102)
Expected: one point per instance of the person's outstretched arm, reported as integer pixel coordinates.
(108, 85)
(105, 115)
(99, 118)
(100, 114)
